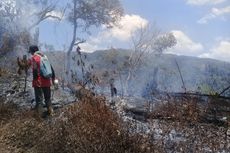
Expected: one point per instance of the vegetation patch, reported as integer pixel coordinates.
(87, 126)
(7, 110)
(184, 110)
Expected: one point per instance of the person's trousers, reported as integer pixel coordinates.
(39, 93)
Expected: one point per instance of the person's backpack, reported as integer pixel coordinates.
(45, 66)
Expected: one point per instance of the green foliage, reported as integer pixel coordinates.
(95, 13)
(164, 42)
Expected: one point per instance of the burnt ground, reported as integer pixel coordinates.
(22, 131)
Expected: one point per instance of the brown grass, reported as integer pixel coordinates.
(88, 126)
(3, 72)
(184, 110)
(7, 110)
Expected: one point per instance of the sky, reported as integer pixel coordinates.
(201, 27)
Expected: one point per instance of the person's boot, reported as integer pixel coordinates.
(50, 111)
(39, 110)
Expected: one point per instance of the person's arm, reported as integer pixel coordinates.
(35, 67)
(53, 74)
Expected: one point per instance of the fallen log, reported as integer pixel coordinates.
(80, 91)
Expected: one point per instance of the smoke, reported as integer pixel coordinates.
(16, 14)
(18, 23)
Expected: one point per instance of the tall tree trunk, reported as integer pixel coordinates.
(71, 45)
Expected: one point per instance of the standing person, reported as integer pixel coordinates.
(113, 89)
(41, 82)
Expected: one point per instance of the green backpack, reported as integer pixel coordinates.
(45, 66)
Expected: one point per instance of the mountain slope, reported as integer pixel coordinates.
(160, 72)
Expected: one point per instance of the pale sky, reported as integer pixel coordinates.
(201, 27)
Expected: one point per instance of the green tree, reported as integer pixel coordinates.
(87, 13)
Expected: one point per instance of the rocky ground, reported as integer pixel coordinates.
(171, 136)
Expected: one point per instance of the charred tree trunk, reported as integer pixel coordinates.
(182, 80)
(122, 84)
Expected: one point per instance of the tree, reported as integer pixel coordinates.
(146, 40)
(28, 13)
(163, 42)
(19, 17)
(87, 13)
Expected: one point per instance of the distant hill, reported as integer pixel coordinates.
(157, 73)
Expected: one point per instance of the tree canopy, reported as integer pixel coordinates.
(86, 13)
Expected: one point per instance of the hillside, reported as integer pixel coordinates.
(158, 73)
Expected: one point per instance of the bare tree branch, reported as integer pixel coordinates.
(146, 40)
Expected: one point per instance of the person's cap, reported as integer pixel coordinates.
(33, 48)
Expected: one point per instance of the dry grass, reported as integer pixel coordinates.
(192, 111)
(88, 126)
(7, 110)
(3, 72)
(187, 117)
(184, 110)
